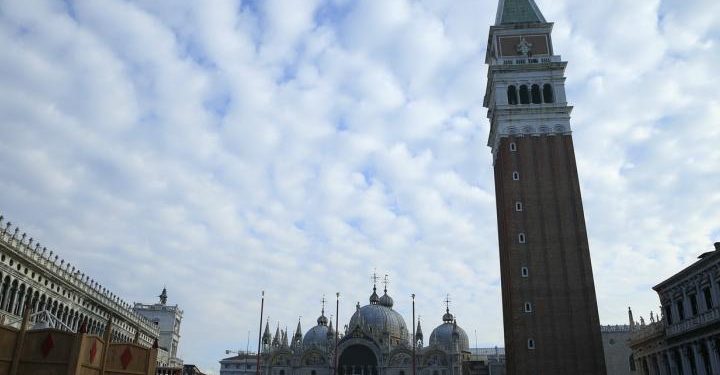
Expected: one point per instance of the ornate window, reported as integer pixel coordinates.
(531, 344)
(518, 206)
(524, 95)
(512, 95)
(516, 176)
(513, 146)
(524, 272)
(536, 97)
(528, 307)
(708, 298)
(521, 238)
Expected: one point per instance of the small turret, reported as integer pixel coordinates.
(277, 338)
(632, 320)
(298, 333)
(331, 330)
(163, 296)
(418, 335)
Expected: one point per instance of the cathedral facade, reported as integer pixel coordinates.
(377, 341)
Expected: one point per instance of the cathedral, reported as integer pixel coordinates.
(376, 341)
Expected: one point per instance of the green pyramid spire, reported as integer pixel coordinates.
(518, 11)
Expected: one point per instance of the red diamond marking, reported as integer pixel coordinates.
(126, 357)
(47, 345)
(93, 352)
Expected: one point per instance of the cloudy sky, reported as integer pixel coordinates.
(226, 147)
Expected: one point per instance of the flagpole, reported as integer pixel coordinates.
(414, 339)
(337, 319)
(262, 307)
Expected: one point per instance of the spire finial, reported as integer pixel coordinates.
(447, 303)
(386, 281)
(374, 278)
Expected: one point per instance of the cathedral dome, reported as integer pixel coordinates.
(317, 335)
(378, 317)
(449, 333)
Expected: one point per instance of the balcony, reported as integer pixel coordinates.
(642, 333)
(698, 321)
(527, 60)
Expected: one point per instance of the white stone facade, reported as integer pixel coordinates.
(550, 114)
(30, 275)
(168, 319)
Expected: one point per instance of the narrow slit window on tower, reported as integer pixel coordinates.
(513, 146)
(521, 238)
(524, 272)
(516, 176)
(524, 95)
(512, 95)
(548, 93)
(528, 307)
(518, 206)
(536, 97)
(531, 344)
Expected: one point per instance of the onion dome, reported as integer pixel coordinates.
(374, 299)
(322, 320)
(386, 300)
(448, 318)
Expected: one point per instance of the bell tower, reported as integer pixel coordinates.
(549, 306)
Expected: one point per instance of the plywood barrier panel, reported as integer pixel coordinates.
(8, 335)
(34, 368)
(47, 345)
(90, 355)
(46, 352)
(126, 359)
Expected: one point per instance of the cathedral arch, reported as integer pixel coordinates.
(313, 357)
(356, 359)
(524, 95)
(400, 357)
(19, 302)
(536, 97)
(512, 95)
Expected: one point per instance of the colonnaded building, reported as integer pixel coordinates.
(377, 341)
(61, 296)
(685, 340)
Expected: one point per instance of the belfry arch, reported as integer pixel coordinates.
(358, 359)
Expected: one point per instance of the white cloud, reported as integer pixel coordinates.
(227, 147)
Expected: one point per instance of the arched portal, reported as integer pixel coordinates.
(357, 360)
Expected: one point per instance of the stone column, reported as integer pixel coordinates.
(685, 359)
(711, 346)
(670, 358)
(659, 364)
(665, 368)
(699, 363)
(714, 290)
(686, 304)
